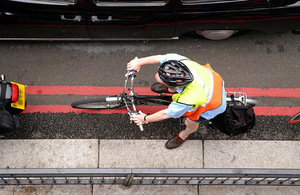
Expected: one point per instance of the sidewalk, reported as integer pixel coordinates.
(148, 154)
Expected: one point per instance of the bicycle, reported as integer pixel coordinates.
(295, 119)
(132, 99)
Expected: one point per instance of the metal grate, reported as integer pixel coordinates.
(127, 177)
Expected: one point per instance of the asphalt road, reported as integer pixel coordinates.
(249, 60)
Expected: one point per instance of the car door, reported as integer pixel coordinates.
(194, 15)
(131, 19)
(42, 19)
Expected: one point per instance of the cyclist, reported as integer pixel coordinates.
(198, 92)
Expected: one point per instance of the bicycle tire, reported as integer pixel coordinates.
(294, 119)
(97, 103)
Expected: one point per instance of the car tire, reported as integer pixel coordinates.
(215, 34)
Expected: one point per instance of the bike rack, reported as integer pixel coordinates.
(127, 177)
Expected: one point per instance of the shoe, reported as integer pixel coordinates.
(159, 88)
(175, 142)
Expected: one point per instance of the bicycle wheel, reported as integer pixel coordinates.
(109, 102)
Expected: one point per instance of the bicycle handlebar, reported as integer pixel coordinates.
(131, 74)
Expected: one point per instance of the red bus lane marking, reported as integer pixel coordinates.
(268, 92)
(276, 111)
(259, 110)
(69, 109)
(95, 90)
(81, 90)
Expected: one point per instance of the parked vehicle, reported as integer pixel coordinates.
(143, 19)
(12, 103)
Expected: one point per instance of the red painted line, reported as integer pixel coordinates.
(81, 90)
(265, 111)
(268, 92)
(90, 90)
(69, 109)
(96, 90)
(273, 111)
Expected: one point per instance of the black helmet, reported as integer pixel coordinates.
(175, 74)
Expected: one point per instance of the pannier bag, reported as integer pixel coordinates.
(235, 120)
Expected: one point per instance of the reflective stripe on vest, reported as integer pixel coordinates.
(199, 92)
(201, 83)
(189, 96)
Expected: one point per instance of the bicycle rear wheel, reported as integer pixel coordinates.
(109, 102)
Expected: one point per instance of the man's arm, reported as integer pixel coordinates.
(158, 116)
(137, 63)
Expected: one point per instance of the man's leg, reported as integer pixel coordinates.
(180, 138)
(191, 127)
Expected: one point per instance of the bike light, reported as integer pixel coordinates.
(15, 92)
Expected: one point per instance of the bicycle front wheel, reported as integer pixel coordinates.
(109, 102)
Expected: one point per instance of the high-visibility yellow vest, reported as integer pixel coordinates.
(205, 91)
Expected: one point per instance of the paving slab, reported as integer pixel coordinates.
(49, 153)
(47, 190)
(251, 154)
(145, 190)
(249, 190)
(149, 154)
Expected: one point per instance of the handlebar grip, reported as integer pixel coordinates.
(133, 72)
(141, 127)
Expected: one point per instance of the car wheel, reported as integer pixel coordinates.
(215, 34)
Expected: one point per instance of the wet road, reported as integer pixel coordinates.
(250, 60)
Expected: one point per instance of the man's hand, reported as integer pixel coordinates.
(134, 65)
(137, 63)
(138, 119)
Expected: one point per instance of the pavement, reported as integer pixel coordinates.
(120, 153)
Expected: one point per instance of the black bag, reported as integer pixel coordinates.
(8, 121)
(9, 116)
(235, 120)
(3, 93)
